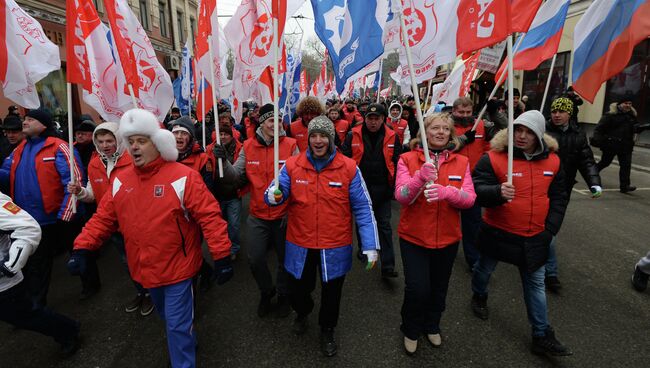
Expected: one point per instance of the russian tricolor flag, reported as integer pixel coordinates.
(604, 39)
(543, 38)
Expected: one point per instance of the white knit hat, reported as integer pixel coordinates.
(143, 122)
(533, 120)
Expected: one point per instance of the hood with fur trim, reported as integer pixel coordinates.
(143, 122)
(500, 142)
(613, 109)
(395, 104)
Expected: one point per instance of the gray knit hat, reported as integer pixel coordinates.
(322, 124)
(533, 120)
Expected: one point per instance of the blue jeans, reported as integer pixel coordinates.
(551, 262)
(175, 305)
(231, 212)
(471, 222)
(534, 291)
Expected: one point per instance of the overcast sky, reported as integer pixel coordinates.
(228, 7)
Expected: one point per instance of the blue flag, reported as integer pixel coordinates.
(291, 87)
(184, 84)
(352, 32)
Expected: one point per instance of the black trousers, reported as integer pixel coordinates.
(426, 273)
(16, 308)
(624, 162)
(301, 289)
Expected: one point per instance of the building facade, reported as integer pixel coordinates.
(168, 24)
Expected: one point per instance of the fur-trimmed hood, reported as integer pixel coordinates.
(613, 109)
(500, 142)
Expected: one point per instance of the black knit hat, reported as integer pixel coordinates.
(266, 112)
(43, 116)
(12, 122)
(86, 126)
(185, 124)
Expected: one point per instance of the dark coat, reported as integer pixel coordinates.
(617, 130)
(529, 253)
(575, 155)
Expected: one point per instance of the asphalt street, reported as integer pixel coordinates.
(597, 314)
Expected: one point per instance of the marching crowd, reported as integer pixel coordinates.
(158, 192)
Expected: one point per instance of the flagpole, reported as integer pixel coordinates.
(548, 83)
(276, 128)
(214, 104)
(496, 86)
(73, 199)
(511, 109)
(414, 87)
(132, 94)
(203, 110)
(381, 63)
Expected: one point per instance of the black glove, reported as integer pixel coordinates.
(223, 270)
(77, 264)
(219, 151)
(470, 136)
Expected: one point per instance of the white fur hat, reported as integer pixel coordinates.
(143, 122)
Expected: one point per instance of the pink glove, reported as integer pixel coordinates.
(436, 192)
(428, 173)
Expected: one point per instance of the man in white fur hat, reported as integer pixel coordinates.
(161, 207)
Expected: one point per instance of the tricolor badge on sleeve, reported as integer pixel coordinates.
(548, 173)
(455, 178)
(11, 207)
(335, 184)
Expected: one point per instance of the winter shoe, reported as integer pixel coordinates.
(283, 308)
(627, 189)
(69, 347)
(264, 308)
(435, 340)
(410, 346)
(299, 325)
(639, 280)
(553, 284)
(146, 308)
(549, 345)
(479, 306)
(134, 304)
(327, 343)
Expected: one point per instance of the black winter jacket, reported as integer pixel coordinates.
(618, 129)
(575, 155)
(529, 253)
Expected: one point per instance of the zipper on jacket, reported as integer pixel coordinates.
(532, 189)
(182, 237)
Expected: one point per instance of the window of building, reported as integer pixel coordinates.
(144, 14)
(164, 19)
(634, 82)
(192, 29)
(535, 82)
(181, 27)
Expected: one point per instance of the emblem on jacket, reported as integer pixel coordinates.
(11, 207)
(158, 190)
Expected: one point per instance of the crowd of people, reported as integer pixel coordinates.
(343, 162)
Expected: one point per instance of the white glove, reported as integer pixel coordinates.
(372, 256)
(273, 195)
(19, 253)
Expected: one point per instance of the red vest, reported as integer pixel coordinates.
(399, 127)
(435, 224)
(300, 134)
(319, 207)
(259, 171)
(250, 128)
(388, 145)
(526, 214)
(476, 149)
(342, 127)
(49, 180)
(97, 177)
(352, 117)
(198, 159)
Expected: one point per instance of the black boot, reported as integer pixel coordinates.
(327, 343)
(264, 308)
(283, 309)
(549, 345)
(639, 280)
(479, 306)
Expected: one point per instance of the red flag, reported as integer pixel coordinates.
(523, 12)
(77, 65)
(123, 45)
(484, 24)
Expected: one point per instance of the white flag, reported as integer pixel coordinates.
(27, 55)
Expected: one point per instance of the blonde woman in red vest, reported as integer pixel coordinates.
(432, 195)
